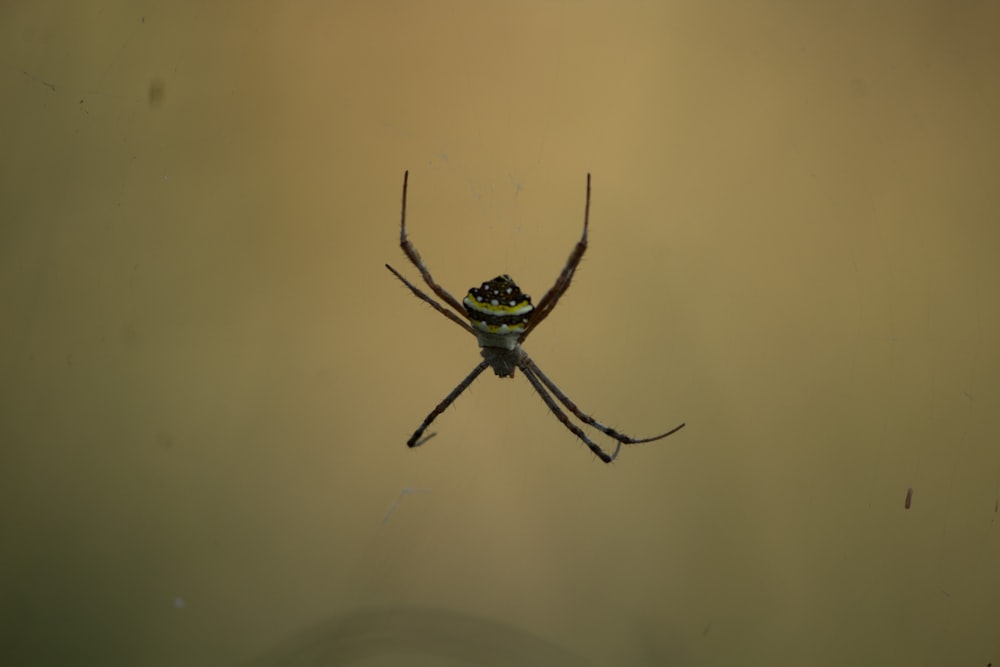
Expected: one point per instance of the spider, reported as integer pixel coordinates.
(501, 316)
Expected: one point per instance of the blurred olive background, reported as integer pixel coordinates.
(208, 376)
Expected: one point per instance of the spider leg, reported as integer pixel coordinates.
(415, 439)
(529, 372)
(551, 298)
(414, 257)
(584, 417)
(437, 306)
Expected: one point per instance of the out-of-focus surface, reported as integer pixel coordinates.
(208, 376)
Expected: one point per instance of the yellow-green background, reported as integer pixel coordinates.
(207, 376)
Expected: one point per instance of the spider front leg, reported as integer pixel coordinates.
(437, 306)
(551, 298)
(411, 252)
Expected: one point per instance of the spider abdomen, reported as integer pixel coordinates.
(499, 312)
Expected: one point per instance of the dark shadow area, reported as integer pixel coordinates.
(419, 632)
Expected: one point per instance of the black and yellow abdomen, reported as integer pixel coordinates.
(499, 312)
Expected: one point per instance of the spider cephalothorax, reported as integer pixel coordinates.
(501, 316)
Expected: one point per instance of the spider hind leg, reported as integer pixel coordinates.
(416, 440)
